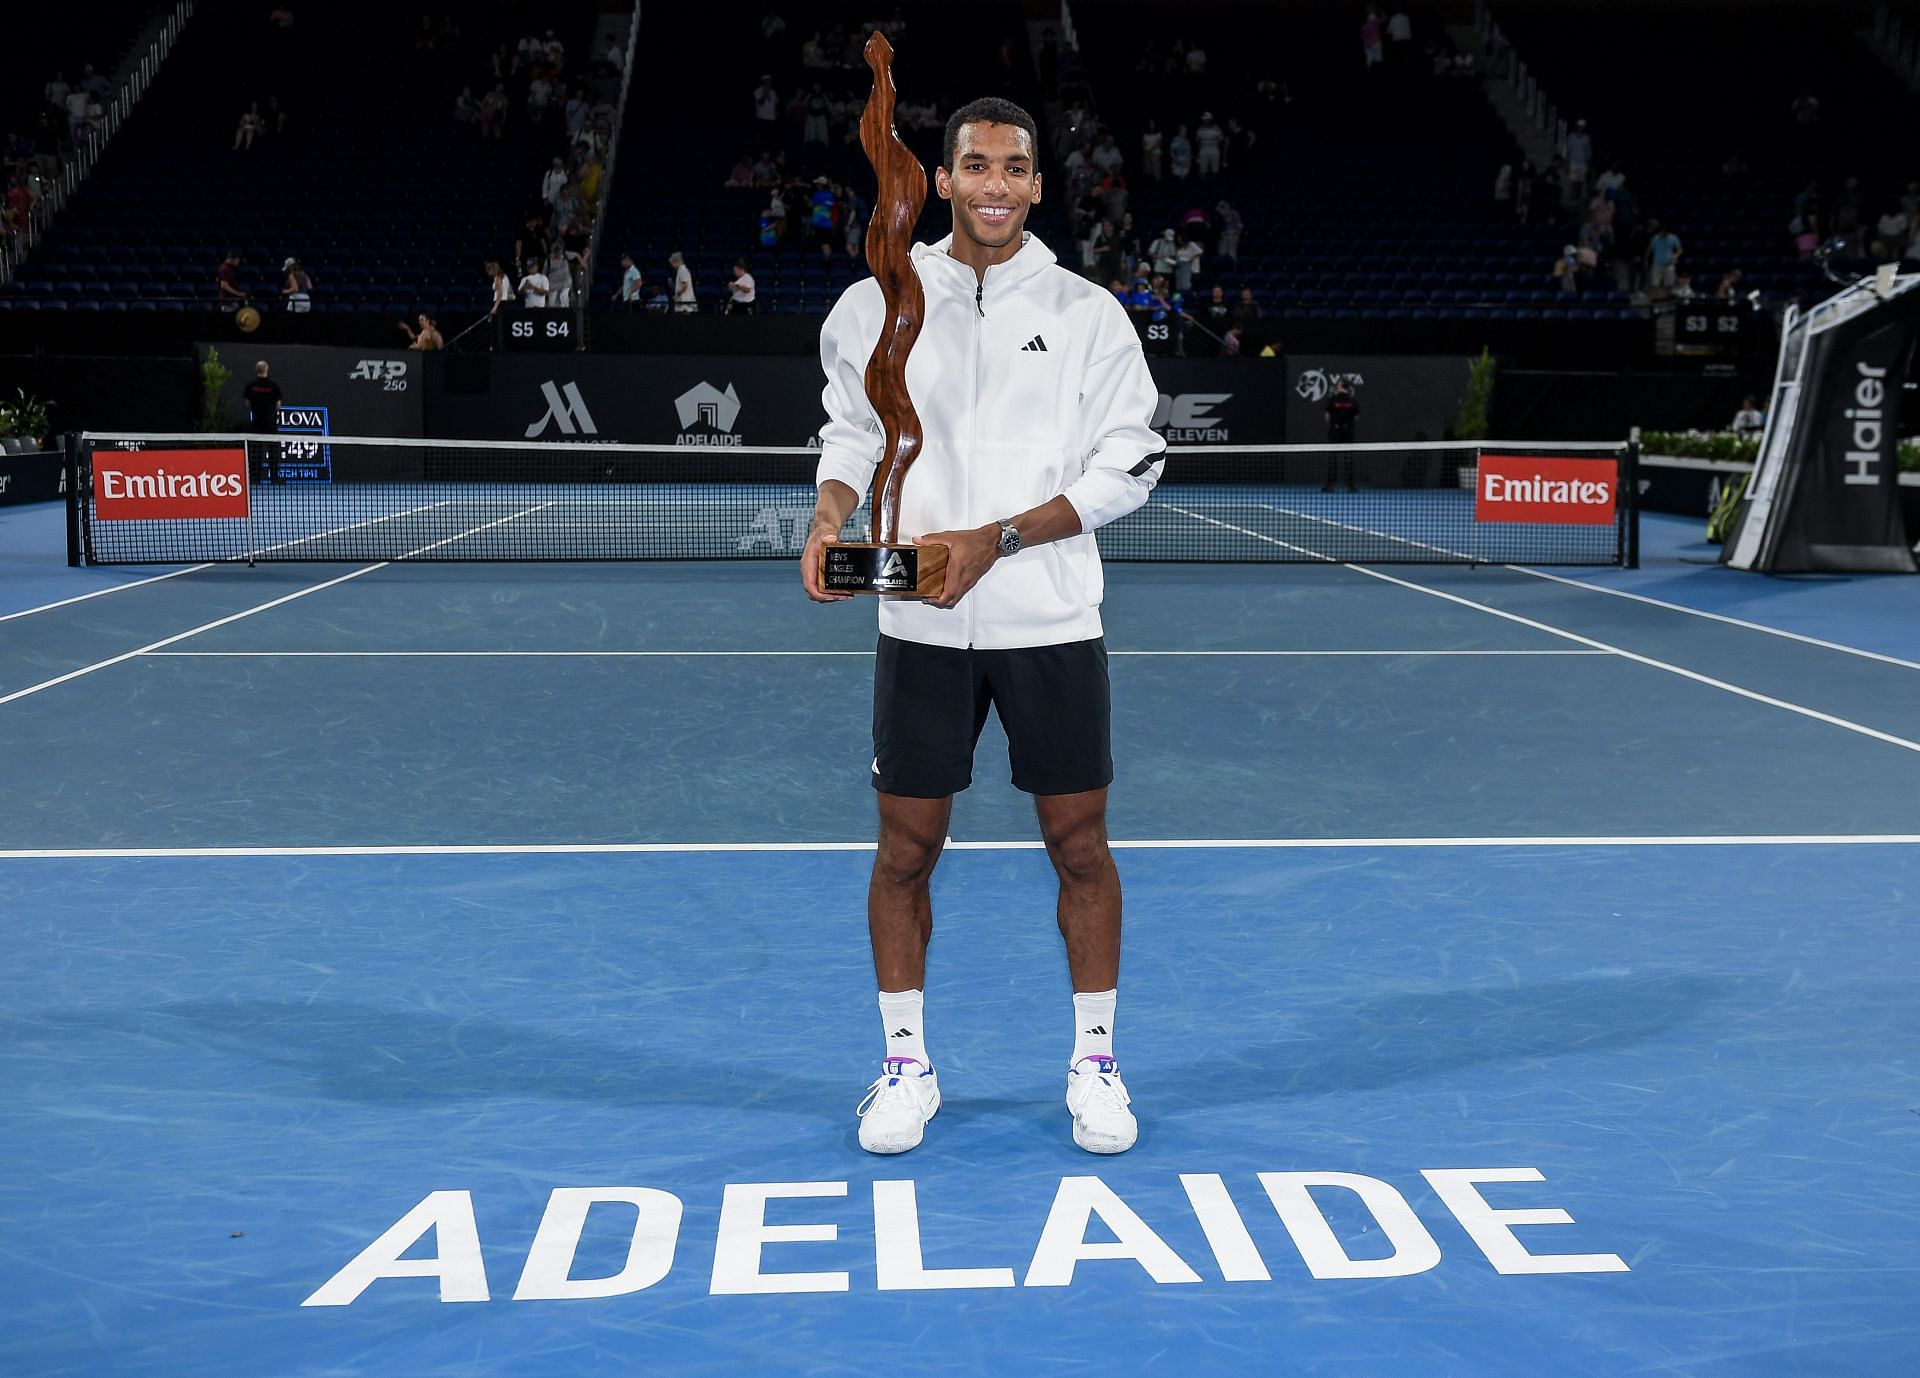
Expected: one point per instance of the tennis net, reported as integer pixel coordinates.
(180, 499)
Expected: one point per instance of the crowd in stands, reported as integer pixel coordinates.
(71, 115)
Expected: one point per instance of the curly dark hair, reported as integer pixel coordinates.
(986, 110)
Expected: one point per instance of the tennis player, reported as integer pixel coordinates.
(1036, 404)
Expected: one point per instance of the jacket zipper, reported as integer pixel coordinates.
(973, 418)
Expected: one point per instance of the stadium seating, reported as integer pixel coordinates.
(384, 200)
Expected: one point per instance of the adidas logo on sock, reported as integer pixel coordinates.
(1097, 1029)
(901, 1033)
(1036, 343)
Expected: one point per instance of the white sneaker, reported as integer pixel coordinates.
(1098, 1099)
(894, 1114)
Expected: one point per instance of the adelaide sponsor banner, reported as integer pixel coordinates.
(1540, 488)
(729, 400)
(330, 391)
(169, 485)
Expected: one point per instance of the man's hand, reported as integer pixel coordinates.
(811, 562)
(970, 554)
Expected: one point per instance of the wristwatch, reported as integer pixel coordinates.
(1009, 539)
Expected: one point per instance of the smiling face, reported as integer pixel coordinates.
(992, 185)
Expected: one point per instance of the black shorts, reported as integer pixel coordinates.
(930, 702)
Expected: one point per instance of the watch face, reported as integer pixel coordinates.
(1009, 540)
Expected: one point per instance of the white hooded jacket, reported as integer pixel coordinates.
(1028, 385)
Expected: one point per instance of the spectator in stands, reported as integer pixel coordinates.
(766, 102)
(1729, 288)
(740, 292)
(500, 286)
(1227, 245)
(559, 275)
(1196, 61)
(1372, 34)
(1186, 261)
(1399, 41)
(822, 212)
(1523, 186)
(296, 286)
(539, 97)
(853, 219)
(1891, 232)
(554, 181)
(493, 112)
(1180, 154)
(1106, 154)
(742, 173)
(1152, 143)
(1846, 207)
(1217, 313)
(1163, 252)
(1248, 310)
(1579, 154)
(1230, 342)
(628, 294)
(1207, 139)
(95, 83)
(227, 283)
(592, 173)
(252, 124)
(1749, 421)
(77, 103)
(533, 284)
(1568, 270)
(683, 298)
(576, 242)
(1663, 260)
(427, 337)
(57, 91)
(815, 129)
(466, 110)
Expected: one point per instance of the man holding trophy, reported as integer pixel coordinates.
(1017, 393)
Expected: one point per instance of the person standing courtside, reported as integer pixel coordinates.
(1342, 415)
(263, 400)
(1036, 405)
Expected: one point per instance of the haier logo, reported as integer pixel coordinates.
(1188, 417)
(1316, 384)
(713, 411)
(391, 374)
(567, 409)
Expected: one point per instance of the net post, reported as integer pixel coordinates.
(1630, 484)
(70, 476)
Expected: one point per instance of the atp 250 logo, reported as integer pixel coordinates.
(391, 374)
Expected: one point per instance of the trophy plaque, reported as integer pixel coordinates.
(886, 565)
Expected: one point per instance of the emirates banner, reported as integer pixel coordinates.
(169, 485)
(1541, 488)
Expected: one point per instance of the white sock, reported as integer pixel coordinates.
(905, 1021)
(1093, 1023)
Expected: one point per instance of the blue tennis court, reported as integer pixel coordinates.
(462, 969)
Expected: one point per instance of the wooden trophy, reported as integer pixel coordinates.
(885, 565)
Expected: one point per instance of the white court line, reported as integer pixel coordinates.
(101, 593)
(182, 636)
(1694, 675)
(1019, 845)
(614, 655)
(485, 526)
(1721, 617)
(351, 526)
(1369, 531)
